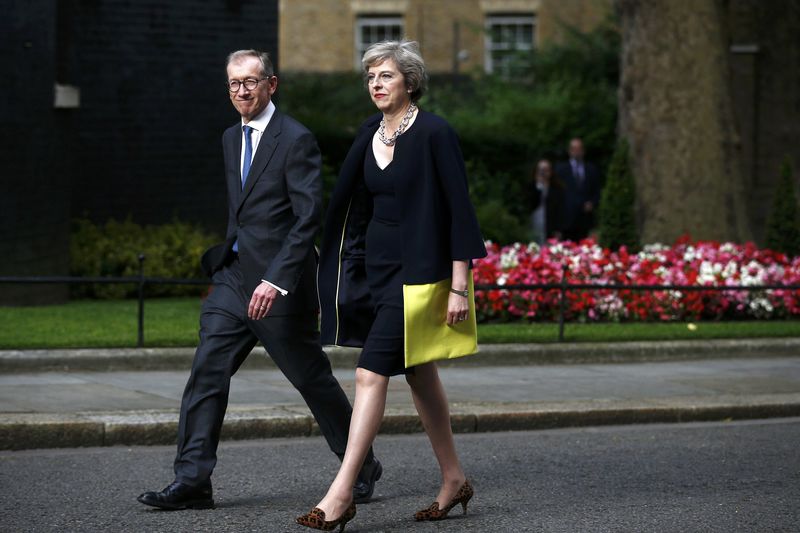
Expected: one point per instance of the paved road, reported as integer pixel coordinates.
(726, 477)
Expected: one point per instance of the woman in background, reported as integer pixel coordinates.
(548, 195)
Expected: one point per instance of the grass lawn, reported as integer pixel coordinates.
(174, 322)
(100, 323)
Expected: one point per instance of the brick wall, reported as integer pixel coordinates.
(34, 204)
(316, 36)
(154, 105)
(319, 36)
(556, 16)
(145, 140)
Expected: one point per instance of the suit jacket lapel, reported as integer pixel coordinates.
(264, 152)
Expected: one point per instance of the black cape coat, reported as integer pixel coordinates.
(437, 222)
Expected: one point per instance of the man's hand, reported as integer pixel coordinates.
(261, 302)
(588, 207)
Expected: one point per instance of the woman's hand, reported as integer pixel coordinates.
(457, 309)
(457, 305)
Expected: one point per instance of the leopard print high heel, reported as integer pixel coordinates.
(316, 519)
(463, 496)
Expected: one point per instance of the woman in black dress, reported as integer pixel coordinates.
(400, 215)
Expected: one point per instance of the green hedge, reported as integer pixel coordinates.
(783, 225)
(617, 217)
(171, 250)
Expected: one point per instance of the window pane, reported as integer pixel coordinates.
(519, 34)
(375, 29)
(495, 34)
(370, 29)
(507, 35)
(527, 34)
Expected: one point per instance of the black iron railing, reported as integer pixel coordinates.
(563, 287)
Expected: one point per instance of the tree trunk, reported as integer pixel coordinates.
(676, 112)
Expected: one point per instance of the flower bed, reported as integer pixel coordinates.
(684, 263)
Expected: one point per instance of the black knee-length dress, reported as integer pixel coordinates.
(383, 351)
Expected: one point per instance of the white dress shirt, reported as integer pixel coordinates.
(259, 124)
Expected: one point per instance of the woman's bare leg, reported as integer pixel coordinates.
(431, 403)
(368, 408)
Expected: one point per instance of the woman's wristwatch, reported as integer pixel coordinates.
(464, 293)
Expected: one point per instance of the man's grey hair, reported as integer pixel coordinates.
(266, 62)
(409, 62)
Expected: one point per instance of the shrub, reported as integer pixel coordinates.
(617, 224)
(332, 106)
(498, 224)
(171, 250)
(783, 226)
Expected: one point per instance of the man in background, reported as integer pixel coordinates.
(581, 181)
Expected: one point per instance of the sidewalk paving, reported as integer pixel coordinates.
(123, 359)
(124, 407)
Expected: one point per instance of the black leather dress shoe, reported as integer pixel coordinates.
(365, 483)
(180, 496)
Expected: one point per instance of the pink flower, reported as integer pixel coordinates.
(703, 263)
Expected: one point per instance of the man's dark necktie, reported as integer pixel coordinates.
(248, 153)
(248, 156)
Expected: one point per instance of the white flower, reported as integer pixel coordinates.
(753, 273)
(705, 274)
(508, 259)
(730, 270)
(761, 307)
(655, 247)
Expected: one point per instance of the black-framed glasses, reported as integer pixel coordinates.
(249, 83)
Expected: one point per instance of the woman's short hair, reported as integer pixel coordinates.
(266, 62)
(406, 56)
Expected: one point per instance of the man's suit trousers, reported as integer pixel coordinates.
(226, 338)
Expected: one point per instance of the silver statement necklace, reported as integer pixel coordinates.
(403, 125)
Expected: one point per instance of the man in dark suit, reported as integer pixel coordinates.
(264, 286)
(581, 181)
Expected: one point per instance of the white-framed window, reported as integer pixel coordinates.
(371, 29)
(505, 36)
